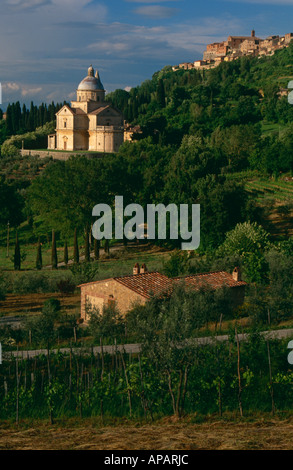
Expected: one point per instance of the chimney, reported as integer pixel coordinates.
(143, 269)
(136, 269)
(253, 33)
(236, 274)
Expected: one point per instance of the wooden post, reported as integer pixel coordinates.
(17, 390)
(102, 354)
(239, 374)
(127, 384)
(271, 379)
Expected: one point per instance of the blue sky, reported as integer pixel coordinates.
(47, 45)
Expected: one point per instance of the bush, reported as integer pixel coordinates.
(66, 286)
(33, 283)
(177, 264)
(84, 272)
(3, 287)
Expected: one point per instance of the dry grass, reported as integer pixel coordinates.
(273, 434)
(23, 304)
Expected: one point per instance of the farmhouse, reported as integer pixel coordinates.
(138, 288)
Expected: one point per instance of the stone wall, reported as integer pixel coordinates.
(100, 293)
(58, 155)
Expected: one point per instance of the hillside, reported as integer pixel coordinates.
(224, 134)
(183, 102)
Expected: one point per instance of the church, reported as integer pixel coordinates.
(90, 123)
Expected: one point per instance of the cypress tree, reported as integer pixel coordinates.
(65, 253)
(107, 246)
(17, 257)
(30, 120)
(75, 248)
(161, 93)
(87, 256)
(92, 240)
(54, 252)
(97, 249)
(8, 122)
(39, 262)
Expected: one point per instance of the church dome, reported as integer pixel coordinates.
(91, 82)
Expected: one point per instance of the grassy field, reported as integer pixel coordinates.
(30, 304)
(17, 304)
(263, 433)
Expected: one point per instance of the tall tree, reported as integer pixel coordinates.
(75, 248)
(161, 98)
(39, 261)
(17, 256)
(54, 251)
(65, 253)
(97, 249)
(87, 247)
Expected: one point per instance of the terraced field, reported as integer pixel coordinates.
(281, 191)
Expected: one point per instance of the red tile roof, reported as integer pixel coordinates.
(215, 280)
(147, 284)
(154, 283)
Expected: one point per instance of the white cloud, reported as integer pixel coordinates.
(24, 90)
(155, 11)
(263, 2)
(19, 5)
(31, 91)
(109, 47)
(10, 86)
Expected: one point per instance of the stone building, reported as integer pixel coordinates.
(238, 46)
(216, 49)
(138, 288)
(90, 123)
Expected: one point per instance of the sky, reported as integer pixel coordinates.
(46, 46)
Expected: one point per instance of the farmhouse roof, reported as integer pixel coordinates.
(147, 284)
(150, 284)
(215, 280)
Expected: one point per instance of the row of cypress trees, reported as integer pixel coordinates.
(54, 256)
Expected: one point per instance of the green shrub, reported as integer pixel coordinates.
(36, 282)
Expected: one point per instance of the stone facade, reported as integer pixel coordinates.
(98, 294)
(90, 123)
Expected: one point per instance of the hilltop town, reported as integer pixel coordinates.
(235, 47)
